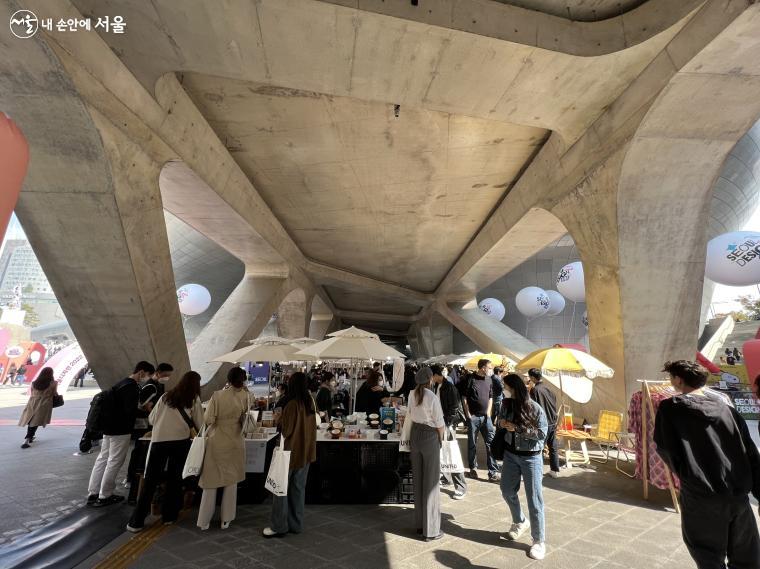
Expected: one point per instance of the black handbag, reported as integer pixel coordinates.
(499, 444)
(57, 401)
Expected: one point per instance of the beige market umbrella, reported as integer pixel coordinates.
(354, 344)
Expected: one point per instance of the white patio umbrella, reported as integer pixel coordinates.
(461, 360)
(354, 344)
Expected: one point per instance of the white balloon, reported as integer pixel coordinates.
(193, 299)
(733, 259)
(585, 319)
(493, 307)
(532, 301)
(556, 302)
(570, 282)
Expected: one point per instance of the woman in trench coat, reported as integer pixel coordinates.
(224, 461)
(39, 408)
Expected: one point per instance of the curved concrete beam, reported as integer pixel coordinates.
(557, 171)
(673, 161)
(535, 28)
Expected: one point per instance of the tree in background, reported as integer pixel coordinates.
(31, 319)
(750, 306)
(28, 288)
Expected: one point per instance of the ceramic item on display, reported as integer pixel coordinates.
(374, 424)
(335, 433)
(383, 435)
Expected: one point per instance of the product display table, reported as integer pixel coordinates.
(347, 471)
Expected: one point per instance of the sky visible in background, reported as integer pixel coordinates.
(723, 300)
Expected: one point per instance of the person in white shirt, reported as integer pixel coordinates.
(427, 433)
(174, 418)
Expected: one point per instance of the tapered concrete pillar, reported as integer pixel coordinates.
(443, 335)
(102, 241)
(241, 318)
(320, 325)
(488, 334)
(294, 315)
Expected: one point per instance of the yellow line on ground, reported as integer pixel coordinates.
(123, 556)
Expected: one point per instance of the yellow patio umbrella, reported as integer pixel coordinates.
(569, 370)
(498, 360)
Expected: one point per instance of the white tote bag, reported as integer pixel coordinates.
(451, 456)
(406, 434)
(194, 460)
(277, 477)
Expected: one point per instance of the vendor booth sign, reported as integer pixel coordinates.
(260, 374)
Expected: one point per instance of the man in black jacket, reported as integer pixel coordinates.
(121, 413)
(477, 401)
(545, 397)
(707, 444)
(452, 408)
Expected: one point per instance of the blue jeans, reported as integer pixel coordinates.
(480, 424)
(287, 511)
(531, 470)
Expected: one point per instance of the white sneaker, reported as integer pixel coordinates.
(517, 530)
(553, 474)
(537, 550)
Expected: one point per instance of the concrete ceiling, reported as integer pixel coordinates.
(397, 199)
(302, 94)
(367, 302)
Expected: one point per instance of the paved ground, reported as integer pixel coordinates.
(46, 480)
(595, 518)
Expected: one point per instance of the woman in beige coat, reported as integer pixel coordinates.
(224, 461)
(39, 408)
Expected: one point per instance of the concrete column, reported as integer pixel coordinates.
(105, 251)
(320, 325)
(414, 343)
(443, 335)
(242, 317)
(294, 315)
(488, 334)
(590, 215)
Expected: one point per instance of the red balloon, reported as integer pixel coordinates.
(751, 355)
(14, 159)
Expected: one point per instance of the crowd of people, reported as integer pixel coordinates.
(705, 442)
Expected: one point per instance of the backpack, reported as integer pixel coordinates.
(101, 410)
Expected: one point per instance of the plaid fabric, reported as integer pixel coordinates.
(657, 475)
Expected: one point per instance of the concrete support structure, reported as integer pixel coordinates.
(294, 315)
(242, 318)
(389, 121)
(487, 334)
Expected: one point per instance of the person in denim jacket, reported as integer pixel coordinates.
(526, 428)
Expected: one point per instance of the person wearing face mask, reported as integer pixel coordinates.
(122, 408)
(151, 390)
(526, 427)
